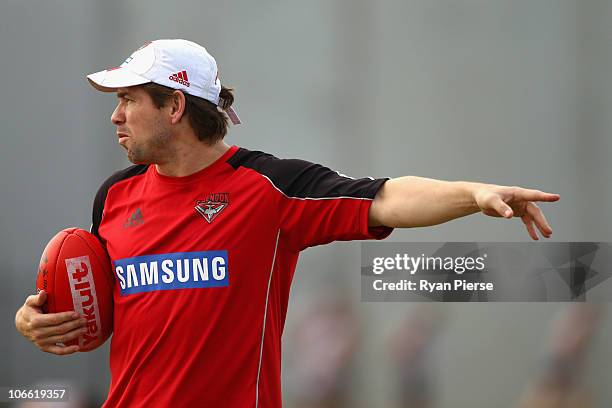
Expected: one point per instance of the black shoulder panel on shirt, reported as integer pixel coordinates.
(98, 206)
(302, 179)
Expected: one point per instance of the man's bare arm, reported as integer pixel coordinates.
(418, 202)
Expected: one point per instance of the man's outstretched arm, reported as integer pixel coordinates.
(418, 202)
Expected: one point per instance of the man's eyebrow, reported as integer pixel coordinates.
(122, 94)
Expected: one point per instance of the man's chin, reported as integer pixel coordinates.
(132, 158)
(135, 159)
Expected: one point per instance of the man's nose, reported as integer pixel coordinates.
(118, 116)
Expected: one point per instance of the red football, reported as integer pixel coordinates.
(76, 273)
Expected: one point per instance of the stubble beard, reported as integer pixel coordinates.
(155, 150)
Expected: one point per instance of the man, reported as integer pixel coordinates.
(225, 225)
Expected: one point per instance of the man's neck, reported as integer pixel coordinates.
(191, 159)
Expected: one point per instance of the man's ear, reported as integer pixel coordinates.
(176, 104)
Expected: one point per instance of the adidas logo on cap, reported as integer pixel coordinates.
(180, 77)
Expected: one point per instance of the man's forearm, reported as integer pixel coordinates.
(418, 202)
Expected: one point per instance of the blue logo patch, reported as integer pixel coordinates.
(179, 270)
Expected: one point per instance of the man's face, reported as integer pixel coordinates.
(142, 128)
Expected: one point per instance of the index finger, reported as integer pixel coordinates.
(53, 319)
(537, 195)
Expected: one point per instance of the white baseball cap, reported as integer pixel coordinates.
(178, 64)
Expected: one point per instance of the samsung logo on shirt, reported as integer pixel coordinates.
(179, 270)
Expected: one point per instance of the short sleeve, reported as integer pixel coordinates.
(317, 205)
(322, 206)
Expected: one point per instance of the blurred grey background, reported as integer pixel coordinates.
(512, 92)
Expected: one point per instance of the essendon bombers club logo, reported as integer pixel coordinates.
(212, 206)
(180, 77)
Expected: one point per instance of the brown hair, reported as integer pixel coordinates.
(208, 122)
